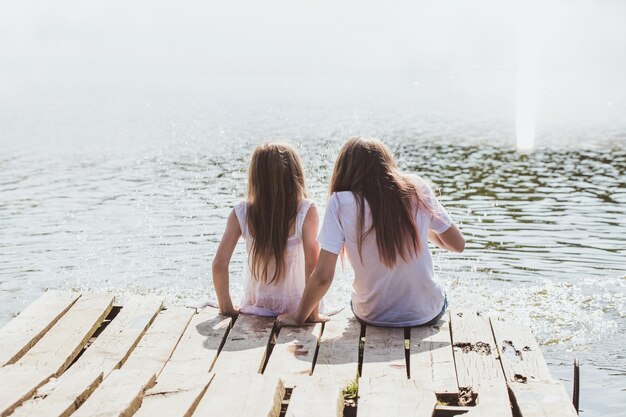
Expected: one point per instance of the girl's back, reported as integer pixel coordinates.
(283, 294)
(406, 294)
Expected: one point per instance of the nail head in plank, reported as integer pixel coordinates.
(542, 399)
(431, 359)
(317, 397)
(62, 397)
(245, 347)
(292, 356)
(18, 384)
(384, 352)
(157, 344)
(23, 331)
(119, 395)
(393, 396)
(178, 403)
(338, 355)
(59, 346)
(115, 343)
(248, 395)
(520, 354)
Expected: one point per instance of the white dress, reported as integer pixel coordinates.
(283, 296)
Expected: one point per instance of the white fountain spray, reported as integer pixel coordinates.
(526, 79)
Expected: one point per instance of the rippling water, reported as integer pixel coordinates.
(136, 204)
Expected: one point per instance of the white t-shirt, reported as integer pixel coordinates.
(407, 294)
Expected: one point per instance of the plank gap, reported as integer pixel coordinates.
(115, 310)
(361, 348)
(407, 351)
(285, 403)
(269, 348)
(317, 348)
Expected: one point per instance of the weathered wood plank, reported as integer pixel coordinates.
(384, 352)
(317, 397)
(394, 396)
(60, 345)
(520, 354)
(492, 401)
(55, 351)
(60, 397)
(186, 375)
(19, 383)
(431, 360)
(106, 353)
(338, 355)
(244, 351)
(249, 395)
(477, 363)
(114, 344)
(179, 403)
(542, 399)
(119, 395)
(157, 344)
(292, 357)
(526, 371)
(22, 332)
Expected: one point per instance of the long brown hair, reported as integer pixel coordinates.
(275, 189)
(367, 168)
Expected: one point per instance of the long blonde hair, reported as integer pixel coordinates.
(368, 169)
(275, 189)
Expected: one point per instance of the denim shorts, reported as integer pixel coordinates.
(430, 323)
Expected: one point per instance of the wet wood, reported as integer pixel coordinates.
(60, 345)
(338, 355)
(292, 356)
(249, 395)
(527, 372)
(394, 396)
(158, 343)
(542, 399)
(60, 397)
(477, 363)
(520, 354)
(23, 331)
(431, 359)
(245, 347)
(384, 352)
(119, 395)
(186, 374)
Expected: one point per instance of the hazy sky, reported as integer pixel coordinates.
(303, 36)
(466, 45)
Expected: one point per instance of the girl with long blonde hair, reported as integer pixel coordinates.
(383, 221)
(279, 225)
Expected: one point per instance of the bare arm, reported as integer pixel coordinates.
(317, 285)
(311, 248)
(221, 261)
(452, 239)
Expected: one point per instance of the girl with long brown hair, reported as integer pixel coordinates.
(279, 225)
(383, 221)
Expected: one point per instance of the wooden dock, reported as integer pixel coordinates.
(81, 355)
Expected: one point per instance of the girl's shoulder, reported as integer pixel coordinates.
(304, 206)
(241, 209)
